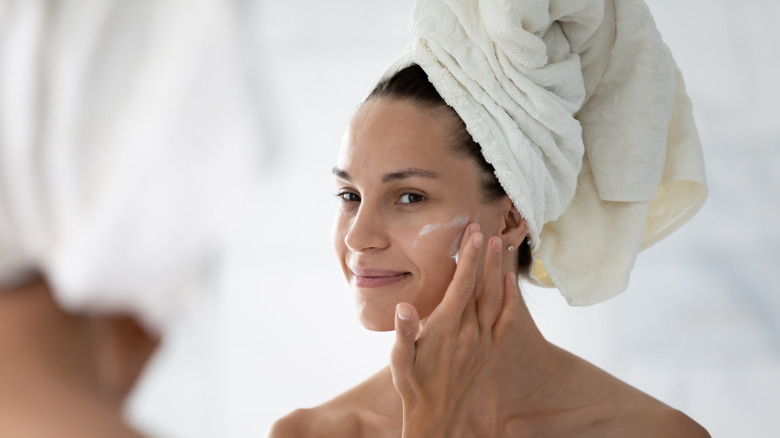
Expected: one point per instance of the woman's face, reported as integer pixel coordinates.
(405, 199)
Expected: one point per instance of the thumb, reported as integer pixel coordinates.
(407, 324)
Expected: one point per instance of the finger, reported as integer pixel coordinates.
(464, 239)
(507, 313)
(468, 316)
(461, 289)
(480, 273)
(407, 323)
(491, 293)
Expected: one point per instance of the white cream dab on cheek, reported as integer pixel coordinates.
(455, 249)
(457, 221)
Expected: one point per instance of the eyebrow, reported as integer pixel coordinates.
(393, 176)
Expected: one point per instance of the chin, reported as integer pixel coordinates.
(376, 314)
(376, 323)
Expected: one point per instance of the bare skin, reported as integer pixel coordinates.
(61, 374)
(534, 389)
(599, 407)
(475, 365)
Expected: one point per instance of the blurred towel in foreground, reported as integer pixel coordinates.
(127, 130)
(124, 128)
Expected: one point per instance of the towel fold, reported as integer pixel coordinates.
(580, 108)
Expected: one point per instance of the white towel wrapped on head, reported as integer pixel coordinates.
(580, 108)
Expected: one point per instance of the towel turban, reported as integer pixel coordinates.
(122, 128)
(580, 108)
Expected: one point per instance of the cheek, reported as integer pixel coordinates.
(340, 228)
(442, 238)
(438, 248)
(339, 231)
(435, 251)
(342, 224)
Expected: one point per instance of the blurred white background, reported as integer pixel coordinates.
(699, 327)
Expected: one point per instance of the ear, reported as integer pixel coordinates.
(513, 227)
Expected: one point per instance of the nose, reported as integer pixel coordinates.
(367, 231)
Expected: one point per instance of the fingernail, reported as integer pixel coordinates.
(404, 313)
(495, 245)
(477, 240)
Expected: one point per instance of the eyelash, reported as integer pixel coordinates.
(344, 195)
(410, 194)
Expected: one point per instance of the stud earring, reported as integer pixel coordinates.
(510, 248)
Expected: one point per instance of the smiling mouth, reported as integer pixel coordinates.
(373, 280)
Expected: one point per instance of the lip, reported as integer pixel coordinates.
(373, 278)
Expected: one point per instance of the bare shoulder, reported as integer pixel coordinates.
(290, 426)
(623, 418)
(312, 423)
(366, 410)
(67, 415)
(644, 416)
(669, 422)
(620, 409)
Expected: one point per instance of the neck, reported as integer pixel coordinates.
(65, 374)
(522, 378)
(41, 344)
(38, 339)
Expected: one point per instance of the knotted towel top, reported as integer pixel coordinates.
(580, 108)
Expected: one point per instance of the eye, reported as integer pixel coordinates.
(348, 196)
(411, 198)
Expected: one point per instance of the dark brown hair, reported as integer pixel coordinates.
(411, 84)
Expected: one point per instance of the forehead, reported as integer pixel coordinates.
(397, 133)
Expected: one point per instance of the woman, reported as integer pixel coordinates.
(410, 179)
(512, 118)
